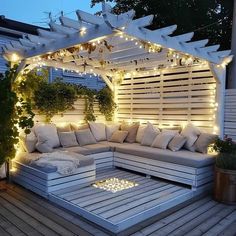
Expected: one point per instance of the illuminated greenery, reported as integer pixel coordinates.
(106, 103)
(54, 98)
(15, 112)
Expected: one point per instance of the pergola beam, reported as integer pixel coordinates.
(74, 67)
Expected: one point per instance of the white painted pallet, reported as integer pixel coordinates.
(43, 183)
(194, 177)
(121, 210)
(172, 97)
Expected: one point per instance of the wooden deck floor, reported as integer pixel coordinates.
(123, 209)
(24, 213)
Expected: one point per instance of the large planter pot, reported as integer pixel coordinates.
(225, 186)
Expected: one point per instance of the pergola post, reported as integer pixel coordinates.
(219, 72)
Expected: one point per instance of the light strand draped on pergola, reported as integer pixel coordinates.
(115, 47)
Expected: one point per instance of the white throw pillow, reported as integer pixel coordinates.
(98, 130)
(140, 133)
(162, 140)
(191, 132)
(28, 141)
(49, 133)
(110, 129)
(149, 135)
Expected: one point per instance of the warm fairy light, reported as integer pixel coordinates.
(83, 30)
(14, 57)
(13, 169)
(114, 184)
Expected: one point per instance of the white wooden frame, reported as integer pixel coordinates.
(43, 183)
(128, 54)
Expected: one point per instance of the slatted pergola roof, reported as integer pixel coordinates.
(111, 44)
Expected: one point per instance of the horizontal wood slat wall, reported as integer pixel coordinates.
(230, 113)
(76, 115)
(173, 97)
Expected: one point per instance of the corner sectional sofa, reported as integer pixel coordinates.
(185, 167)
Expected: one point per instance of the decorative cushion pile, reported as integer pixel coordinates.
(46, 137)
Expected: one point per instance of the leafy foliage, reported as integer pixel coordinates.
(89, 96)
(209, 19)
(106, 103)
(226, 158)
(15, 112)
(54, 98)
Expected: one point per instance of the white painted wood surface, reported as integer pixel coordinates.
(121, 210)
(43, 183)
(230, 113)
(74, 116)
(195, 177)
(172, 97)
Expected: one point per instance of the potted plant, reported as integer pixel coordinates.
(225, 171)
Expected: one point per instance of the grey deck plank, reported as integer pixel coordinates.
(226, 223)
(222, 222)
(119, 200)
(184, 219)
(172, 218)
(9, 228)
(77, 198)
(134, 208)
(102, 196)
(51, 216)
(203, 222)
(230, 230)
(53, 226)
(58, 211)
(20, 220)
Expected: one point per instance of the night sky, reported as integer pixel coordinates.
(32, 12)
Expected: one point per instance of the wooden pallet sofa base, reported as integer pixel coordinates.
(44, 183)
(194, 177)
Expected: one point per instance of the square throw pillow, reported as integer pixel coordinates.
(140, 133)
(49, 133)
(177, 143)
(63, 127)
(43, 145)
(162, 140)
(149, 135)
(132, 131)
(28, 141)
(191, 132)
(119, 136)
(75, 127)
(98, 130)
(110, 129)
(203, 141)
(68, 139)
(85, 137)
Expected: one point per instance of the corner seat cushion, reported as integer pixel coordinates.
(182, 157)
(28, 158)
(97, 148)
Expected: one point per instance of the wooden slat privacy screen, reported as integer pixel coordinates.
(230, 113)
(76, 115)
(174, 97)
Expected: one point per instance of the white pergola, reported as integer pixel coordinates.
(116, 47)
